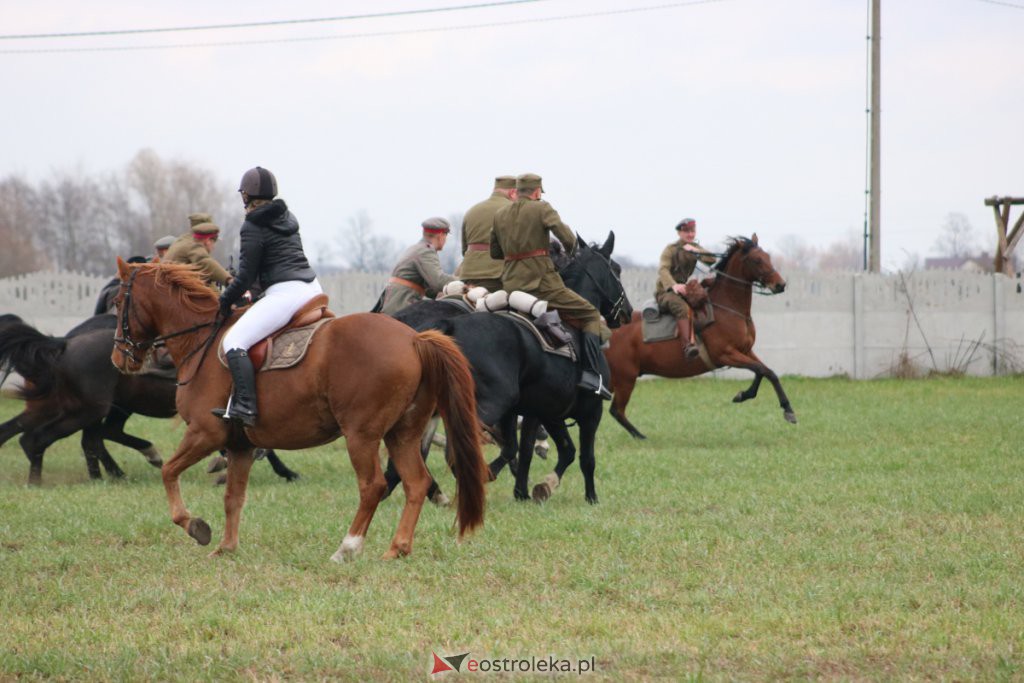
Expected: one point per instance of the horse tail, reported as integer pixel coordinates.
(446, 372)
(33, 355)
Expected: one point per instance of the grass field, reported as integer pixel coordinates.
(879, 538)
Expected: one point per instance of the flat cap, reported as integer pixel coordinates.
(505, 182)
(164, 242)
(686, 223)
(436, 225)
(529, 182)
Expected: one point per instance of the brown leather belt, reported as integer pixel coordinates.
(419, 289)
(479, 246)
(526, 254)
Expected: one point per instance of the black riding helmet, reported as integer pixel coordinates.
(258, 183)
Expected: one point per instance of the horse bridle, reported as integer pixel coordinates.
(620, 302)
(125, 344)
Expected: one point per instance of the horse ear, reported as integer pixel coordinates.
(609, 245)
(753, 239)
(122, 268)
(580, 242)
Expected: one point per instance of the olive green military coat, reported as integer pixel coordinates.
(418, 264)
(187, 250)
(525, 226)
(476, 229)
(675, 266)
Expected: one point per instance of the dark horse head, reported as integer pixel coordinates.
(744, 260)
(594, 275)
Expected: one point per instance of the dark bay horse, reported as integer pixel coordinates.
(71, 386)
(514, 376)
(729, 340)
(365, 377)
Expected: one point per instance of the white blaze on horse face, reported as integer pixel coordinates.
(349, 550)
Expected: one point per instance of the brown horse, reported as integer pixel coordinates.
(367, 377)
(729, 340)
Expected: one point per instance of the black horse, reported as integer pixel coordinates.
(514, 376)
(71, 385)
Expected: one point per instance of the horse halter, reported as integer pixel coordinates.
(125, 344)
(756, 285)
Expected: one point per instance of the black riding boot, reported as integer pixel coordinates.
(596, 376)
(242, 405)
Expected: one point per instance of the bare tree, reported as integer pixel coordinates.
(956, 237)
(793, 254)
(19, 208)
(846, 255)
(363, 251)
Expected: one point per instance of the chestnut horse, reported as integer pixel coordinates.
(729, 340)
(365, 377)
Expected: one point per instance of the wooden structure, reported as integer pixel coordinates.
(1007, 242)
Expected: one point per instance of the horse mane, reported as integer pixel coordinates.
(186, 281)
(735, 244)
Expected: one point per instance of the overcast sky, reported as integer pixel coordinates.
(748, 115)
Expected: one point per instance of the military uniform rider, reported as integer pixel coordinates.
(478, 269)
(677, 263)
(418, 271)
(195, 246)
(161, 246)
(521, 237)
(271, 251)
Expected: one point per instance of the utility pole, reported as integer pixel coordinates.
(875, 227)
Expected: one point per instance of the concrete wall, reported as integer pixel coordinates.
(824, 324)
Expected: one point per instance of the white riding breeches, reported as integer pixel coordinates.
(272, 312)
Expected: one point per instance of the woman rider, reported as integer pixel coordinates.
(271, 252)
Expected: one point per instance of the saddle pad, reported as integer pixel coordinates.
(459, 302)
(285, 349)
(662, 328)
(567, 351)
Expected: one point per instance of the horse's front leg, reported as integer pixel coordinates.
(509, 446)
(566, 456)
(239, 465)
(527, 435)
(751, 391)
(751, 362)
(193, 448)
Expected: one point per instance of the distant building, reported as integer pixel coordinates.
(983, 263)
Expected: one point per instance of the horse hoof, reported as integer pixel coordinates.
(199, 530)
(220, 550)
(521, 495)
(738, 398)
(790, 416)
(217, 463)
(349, 550)
(541, 452)
(592, 499)
(152, 456)
(639, 436)
(541, 492)
(221, 480)
(440, 500)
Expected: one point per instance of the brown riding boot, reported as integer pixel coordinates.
(690, 350)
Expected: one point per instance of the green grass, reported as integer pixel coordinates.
(879, 538)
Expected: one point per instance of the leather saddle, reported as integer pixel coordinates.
(298, 331)
(561, 346)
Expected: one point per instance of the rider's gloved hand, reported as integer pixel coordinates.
(225, 308)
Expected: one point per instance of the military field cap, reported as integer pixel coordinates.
(203, 225)
(505, 182)
(258, 183)
(686, 223)
(195, 219)
(436, 225)
(529, 182)
(164, 242)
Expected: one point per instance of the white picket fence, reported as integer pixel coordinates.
(825, 324)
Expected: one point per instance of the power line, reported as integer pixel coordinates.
(375, 34)
(254, 24)
(1003, 3)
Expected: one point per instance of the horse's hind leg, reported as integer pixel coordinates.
(239, 465)
(362, 451)
(509, 446)
(402, 448)
(11, 428)
(113, 430)
(527, 436)
(96, 452)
